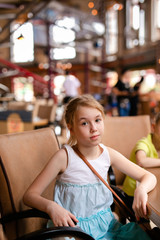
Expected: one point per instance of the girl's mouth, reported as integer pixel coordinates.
(94, 137)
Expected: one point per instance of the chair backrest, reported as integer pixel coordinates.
(22, 157)
(122, 133)
(13, 105)
(45, 109)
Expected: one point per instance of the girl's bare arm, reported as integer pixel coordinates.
(146, 162)
(147, 180)
(33, 198)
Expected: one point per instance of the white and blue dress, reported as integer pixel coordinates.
(80, 191)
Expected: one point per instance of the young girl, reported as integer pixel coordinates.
(80, 197)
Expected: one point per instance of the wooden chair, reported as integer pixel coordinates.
(122, 133)
(45, 110)
(22, 157)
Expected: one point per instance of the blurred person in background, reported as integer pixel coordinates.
(122, 91)
(146, 154)
(134, 98)
(71, 86)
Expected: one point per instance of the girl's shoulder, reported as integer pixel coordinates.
(105, 154)
(68, 149)
(70, 154)
(105, 148)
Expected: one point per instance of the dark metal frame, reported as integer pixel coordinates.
(45, 233)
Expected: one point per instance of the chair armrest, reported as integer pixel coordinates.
(46, 232)
(55, 232)
(111, 176)
(23, 214)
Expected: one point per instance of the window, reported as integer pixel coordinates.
(63, 53)
(158, 14)
(62, 35)
(155, 20)
(62, 39)
(111, 32)
(135, 23)
(23, 88)
(135, 17)
(22, 49)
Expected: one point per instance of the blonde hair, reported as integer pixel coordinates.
(85, 100)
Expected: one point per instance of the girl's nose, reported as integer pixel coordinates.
(93, 127)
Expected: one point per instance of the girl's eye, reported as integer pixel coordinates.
(98, 119)
(84, 123)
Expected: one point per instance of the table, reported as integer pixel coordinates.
(6, 99)
(40, 122)
(154, 199)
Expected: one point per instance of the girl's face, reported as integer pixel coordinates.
(88, 126)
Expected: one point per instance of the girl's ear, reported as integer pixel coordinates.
(152, 127)
(70, 128)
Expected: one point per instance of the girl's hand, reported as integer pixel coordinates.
(140, 203)
(60, 216)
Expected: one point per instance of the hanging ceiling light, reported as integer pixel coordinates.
(91, 4)
(113, 4)
(118, 6)
(94, 12)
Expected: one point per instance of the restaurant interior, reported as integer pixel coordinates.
(95, 41)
